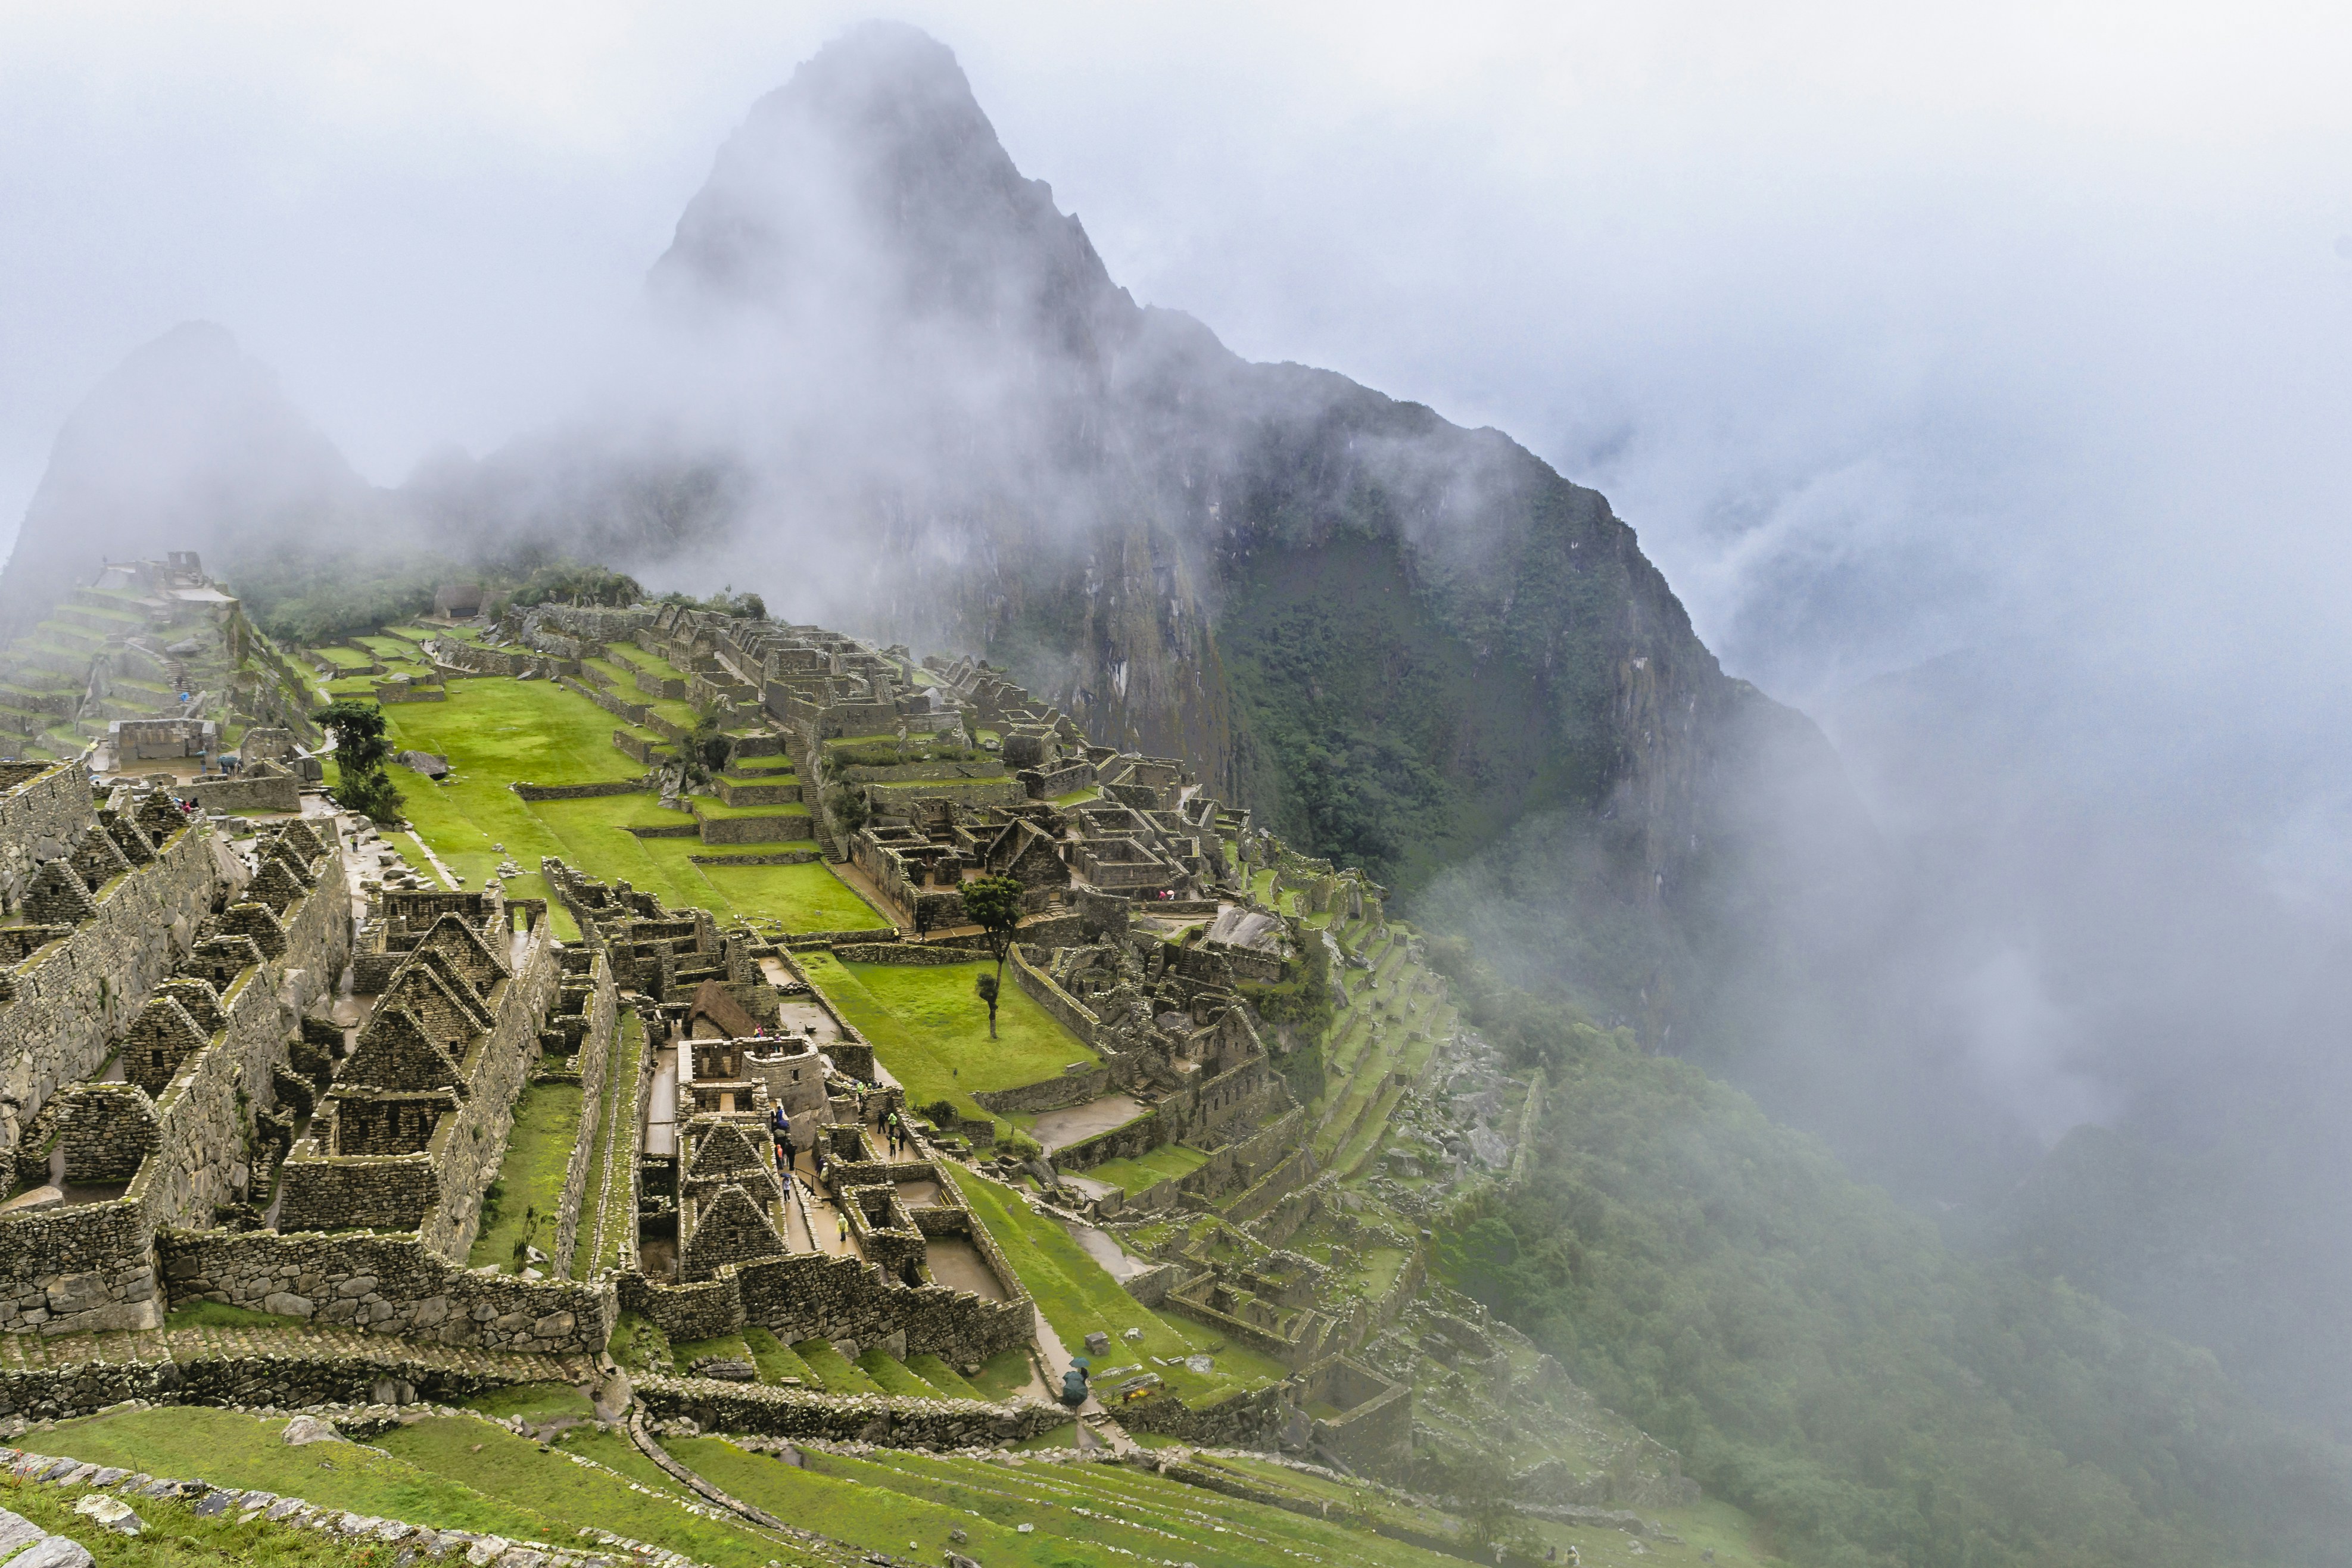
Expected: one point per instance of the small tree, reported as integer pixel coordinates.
(846, 805)
(993, 902)
(986, 985)
(360, 747)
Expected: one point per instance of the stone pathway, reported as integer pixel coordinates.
(1076, 1124)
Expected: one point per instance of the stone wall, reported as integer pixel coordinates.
(1066, 1009)
(1049, 1094)
(282, 793)
(1374, 1429)
(1233, 1166)
(820, 1296)
(757, 829)
(42, 812)
(478, 1133)
(437, 1193)
(717, 1406)
(594, 1059)
(375, 1192)
(635, 746)
(1243, 1421)
(387, 1284)
(91, 1266)
(918, 954)
(72, 997)
(633, 713)
(78, 1269)
(1125, 1142)
(581, 791)
(1047, 784)
(288, 1382)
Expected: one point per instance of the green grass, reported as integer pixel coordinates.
(220, 1315)
(521, 1205)
(833, 1371)
(614, 1450)
(713, 809)
(776, 1360)
(893, 1376)
(521, 1473)
(534, 1402)
(1078, 1297)
(943, 1377)
(841, 1498)
(1169, 1162)
(1093, 1513)
(495, 732)
(1003, 1375)
(1079, 797)
(605, 1219)
(684, 1354)
(762, 770)
(233, 1450)
(932, 1031)
(176, 1536)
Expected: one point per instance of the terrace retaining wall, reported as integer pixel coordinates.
(582, 792)
(594, 1059)
(717, 1406)
(1066, 1009)
(916, 955)
(385, 1284)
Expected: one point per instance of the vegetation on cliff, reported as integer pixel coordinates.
(1820, 1358)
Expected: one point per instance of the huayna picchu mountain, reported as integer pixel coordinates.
(1392, 636)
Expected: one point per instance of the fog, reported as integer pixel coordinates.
(1979, 382)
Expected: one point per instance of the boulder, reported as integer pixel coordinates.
(309, 1429)
(34, 1197)
(111, 1512)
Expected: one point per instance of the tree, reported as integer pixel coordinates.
(993, 902)
(986, 985)
(361, 747)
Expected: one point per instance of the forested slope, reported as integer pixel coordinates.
(1821, 1360)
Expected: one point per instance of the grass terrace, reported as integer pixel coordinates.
(1169, 1162)
(607, 1212)
(930, 1030)
(495, 732)
(1078, 1297)
(520, 1208)
(177, 1536)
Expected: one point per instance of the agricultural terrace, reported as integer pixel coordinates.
(930, 1028)
(496, 732)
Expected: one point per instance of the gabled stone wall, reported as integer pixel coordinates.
(43, 809)
(73, 996)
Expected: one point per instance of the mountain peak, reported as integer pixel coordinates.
(190, 443)
(874, 181)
